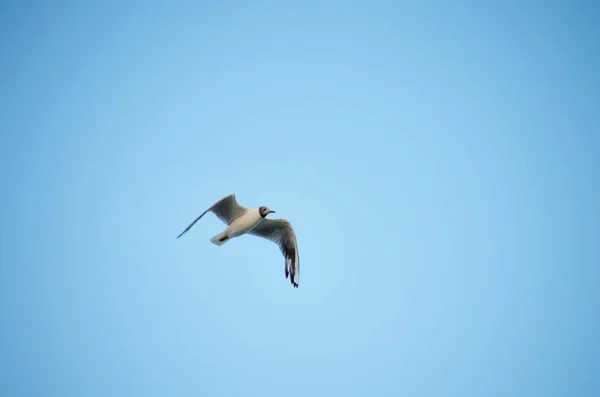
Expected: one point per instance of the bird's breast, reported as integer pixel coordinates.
(244, 223)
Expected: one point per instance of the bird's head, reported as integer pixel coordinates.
(264, 211)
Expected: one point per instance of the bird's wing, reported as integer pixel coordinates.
(226, 209)
(281, 233)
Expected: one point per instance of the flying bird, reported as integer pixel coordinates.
(241, 220)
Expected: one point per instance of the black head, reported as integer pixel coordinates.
(264, 211)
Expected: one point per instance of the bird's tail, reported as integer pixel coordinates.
(220, 239)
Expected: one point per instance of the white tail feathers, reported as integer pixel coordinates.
(220, 239)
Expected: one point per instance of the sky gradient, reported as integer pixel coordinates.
(438, 161)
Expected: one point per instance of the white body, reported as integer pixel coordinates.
(240, 226)
(244, 223)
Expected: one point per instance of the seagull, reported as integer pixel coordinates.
(241, 220)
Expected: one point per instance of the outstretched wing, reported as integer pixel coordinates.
(281, 233)
(227, 210)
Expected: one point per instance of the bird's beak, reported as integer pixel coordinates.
(271, 212)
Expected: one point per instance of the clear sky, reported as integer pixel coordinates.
(438, 161)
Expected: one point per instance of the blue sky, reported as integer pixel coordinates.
(438, 161)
